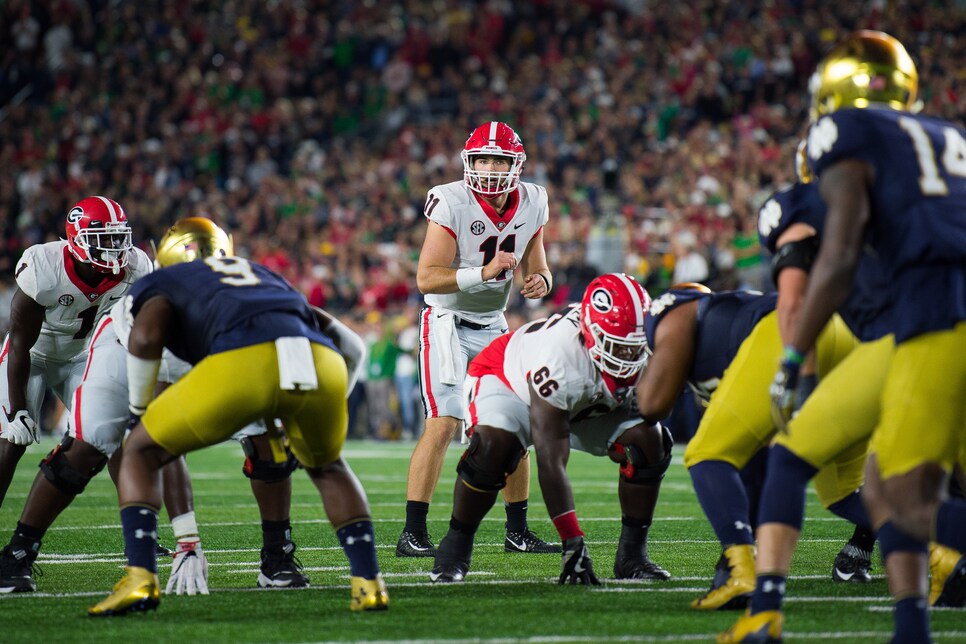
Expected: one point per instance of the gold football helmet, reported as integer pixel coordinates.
(192, 238)
(870, 67)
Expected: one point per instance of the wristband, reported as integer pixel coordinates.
(546, 281)
(467, 278)
(142, 376)
(793, 356)
(185, 526)
(567, 526)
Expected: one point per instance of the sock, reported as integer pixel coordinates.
(28, 539)
(358, 541)
(912, 620)
(723, 499)
(951, 524)
(633, 529)
(851, 509)
(783, 499)
(416, 512)
(276, 534)
(863, 539)
(140, 536)
(769, 593)
(516, 516)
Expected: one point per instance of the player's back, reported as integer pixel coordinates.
(550, 354)
(724, 320)
(918, 199)
(227, 303)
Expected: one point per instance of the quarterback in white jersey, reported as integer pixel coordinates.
(479, 231)
(565, 382)
(63, 287)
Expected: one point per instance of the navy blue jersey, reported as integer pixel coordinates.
(918, 201)
(867, 308)
(227, 303)
(724, 321)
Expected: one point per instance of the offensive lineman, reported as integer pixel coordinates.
(562, 383)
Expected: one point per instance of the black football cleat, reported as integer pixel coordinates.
(852, 565)
(16, 571)
(280, 568)
(453, 558)
(633, 562)
(415, 544)
(527, 541)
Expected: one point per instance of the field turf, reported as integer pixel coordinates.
(506, 598)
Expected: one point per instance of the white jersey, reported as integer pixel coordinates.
(46, 274)
(479, 233)
(550, 354)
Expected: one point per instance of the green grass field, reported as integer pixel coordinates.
(506, 598)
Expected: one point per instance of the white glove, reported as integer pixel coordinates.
(20, 429)
(189, 572)
(353, 350)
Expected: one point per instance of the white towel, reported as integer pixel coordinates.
(452, 369)
(296, 365)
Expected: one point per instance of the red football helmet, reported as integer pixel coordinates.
(98, 234)
(493, 139)
(612, 323)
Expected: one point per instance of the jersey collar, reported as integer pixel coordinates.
(91, 293)
(512, 203)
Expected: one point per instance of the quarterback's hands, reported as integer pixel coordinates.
(577, 566)
(19, 428)
(535, 286)
(189, 572)
(784, 389)
(503, 261)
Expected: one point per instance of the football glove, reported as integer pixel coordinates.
(784, 390)
(189, 572)
(577, 567)
(20, 428)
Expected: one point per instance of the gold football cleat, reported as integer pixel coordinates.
(138, 591)
(765, 627)
(369, 594)
(945, 576)
(736, 591)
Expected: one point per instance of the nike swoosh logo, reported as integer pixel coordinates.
(519, 546)
(520, 225)
(844, 576)
(578, 567)
(415, 547)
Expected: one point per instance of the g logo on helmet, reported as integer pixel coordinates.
(601, 300)
(75, 215)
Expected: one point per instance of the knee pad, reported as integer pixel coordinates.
(479, 475)
(59, 471)
(636, 467)
(259, 469)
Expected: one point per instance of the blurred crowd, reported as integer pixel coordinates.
(312, 129)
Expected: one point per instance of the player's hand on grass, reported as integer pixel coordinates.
(189, 572)
(577, 565)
